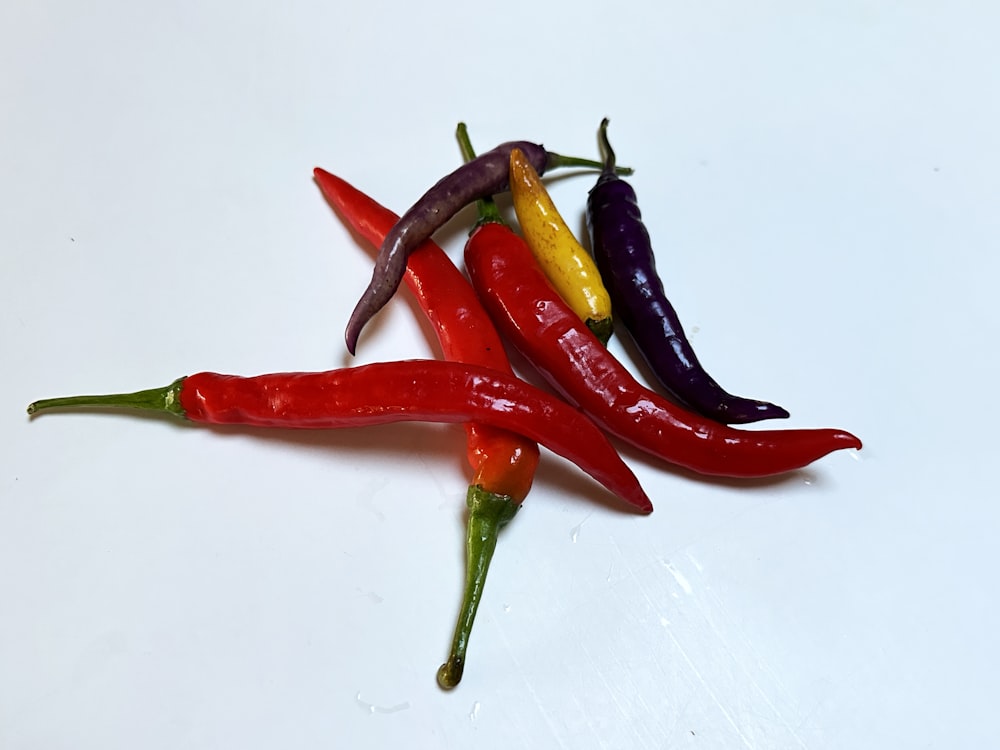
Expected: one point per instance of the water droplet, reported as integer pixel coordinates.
(474, 713)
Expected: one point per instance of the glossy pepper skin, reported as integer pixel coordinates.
(624, 254)
(546, 331)
(566, 263)
(383, 393)
(479, 178)
(504, 462)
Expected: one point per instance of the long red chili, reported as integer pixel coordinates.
(538, 323)
(382, 393)
(484, 176)
(504, 462)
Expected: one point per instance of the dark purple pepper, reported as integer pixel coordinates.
(482, 177)
(624, 256)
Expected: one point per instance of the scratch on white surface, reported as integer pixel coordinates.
(708, 688)
(761, 664)
(681, 579)
(535, 699)
(610, 690)
(574, 533)
(375, 598)
(708, 605)
(365, 501)
(474, 713)
(587, 715)
(374, 709)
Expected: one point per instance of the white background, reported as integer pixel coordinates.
(821, 183)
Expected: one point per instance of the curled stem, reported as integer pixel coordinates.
(609, 153)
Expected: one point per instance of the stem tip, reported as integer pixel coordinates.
(449, 674)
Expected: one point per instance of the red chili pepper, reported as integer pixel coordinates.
(504, 463)
(415, 390)
(537, 322)
(381, 393)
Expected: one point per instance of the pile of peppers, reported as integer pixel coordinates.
(542, 292)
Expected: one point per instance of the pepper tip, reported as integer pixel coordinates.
(351, 335)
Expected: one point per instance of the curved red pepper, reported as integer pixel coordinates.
(504, 463)
(538, 323)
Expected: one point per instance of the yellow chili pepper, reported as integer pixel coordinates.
(566, 263)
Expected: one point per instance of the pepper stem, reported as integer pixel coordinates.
(166, 399)
(609, 153)
(487, 208)
(488, 513)
(558, 160)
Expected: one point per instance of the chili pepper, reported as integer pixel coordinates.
(382, 393)
(529, 312)
(624, 255)
(486, 175)
(568, 266)
(504, 462)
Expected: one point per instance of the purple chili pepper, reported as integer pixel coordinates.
(624, 256)
(482, 177)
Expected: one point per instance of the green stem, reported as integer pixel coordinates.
(609, 153)
(486, 207)
(488, 513)
(166, 399)
(558, 160)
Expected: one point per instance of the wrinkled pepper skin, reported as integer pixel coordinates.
(384, 393)
(567, 265)
(548, 333)
(503, 462)
(624, 254)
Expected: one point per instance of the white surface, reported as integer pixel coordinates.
(821, 184)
